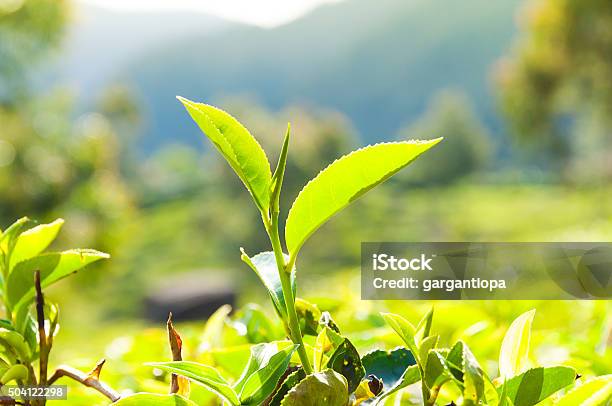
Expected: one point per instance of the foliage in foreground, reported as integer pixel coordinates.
(332, 372)
(324, 370)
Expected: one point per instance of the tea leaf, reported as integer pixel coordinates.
(264, 265)
(455, 360)
(326, 320)
(34, 241)
(254, 323)
(261, 383)
(503, 396)
(594, 392)
(535, 385)
(436, 370)
(206, 376)
(424, 327)
(491, 397)
(326, 341)
(410, 376)
(513, 357)
(342, 182)
(260, 356)
(213, 329)
(405, 330)
(52, 267)
(292, 379)
(389, 366)
(308, 315)
(473, 377)
(14, 343)
(346, 361)
(151, 399)
(279, 174)
(327, 388)
(9, 235)
(426, 345)
(238, 147)
(15, 373)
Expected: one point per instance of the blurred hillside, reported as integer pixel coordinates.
(377, 62)
(110, 40)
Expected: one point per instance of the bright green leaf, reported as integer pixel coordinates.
(514, 353)
(9, 237)
(205, 375)
(327, 388)
(261, 383)
(405, 330)
(473, 377)
(151, 399)
(15, 373)
(34, 241)
(468, 374)
(327, 340)
(426, 345)
(264, 265)
(537, 384)
(238, 147)
(490, 393)
(260, 356)
(595, 392)
(423, 329)
(436, 370)
(279, 174)
(503, 396)
(455, 360)
(15, 344)
(52, 267)
(344, 181)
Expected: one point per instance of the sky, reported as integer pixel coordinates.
(265, 13)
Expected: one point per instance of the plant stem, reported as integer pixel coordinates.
(44, 345)
(285, 277)
(430, 400)
(5, 269)
(91, 380)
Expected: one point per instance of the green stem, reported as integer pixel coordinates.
(430, 400)
(5, 268)
(285, 276)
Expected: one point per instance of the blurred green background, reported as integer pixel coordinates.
(90, 131)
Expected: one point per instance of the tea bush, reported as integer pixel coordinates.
(305, 359)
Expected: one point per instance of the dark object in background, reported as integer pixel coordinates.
(189, 296)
